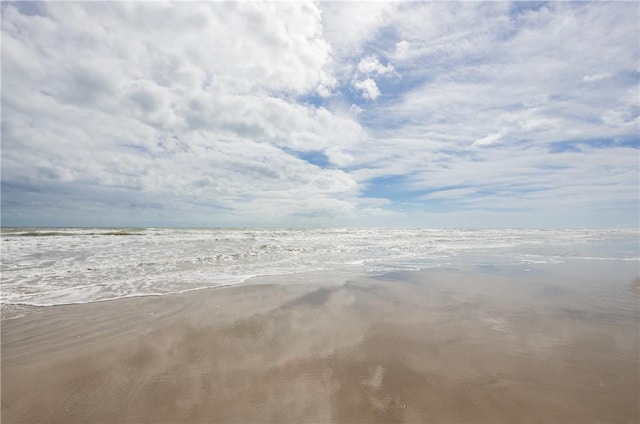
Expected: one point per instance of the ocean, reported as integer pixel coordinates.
(56, 266)
(320, 325)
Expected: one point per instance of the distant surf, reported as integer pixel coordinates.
(53, 266)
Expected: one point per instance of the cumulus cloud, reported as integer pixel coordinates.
(371, 65)
(339, 157)
(368, 88)
(496, 78)
(367, 67)
(168, 105)
(348, 26)
(252, 113)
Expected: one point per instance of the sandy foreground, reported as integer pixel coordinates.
(437, 346)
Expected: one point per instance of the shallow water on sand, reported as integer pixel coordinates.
(482, 339)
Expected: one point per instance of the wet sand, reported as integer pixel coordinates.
(479, 344)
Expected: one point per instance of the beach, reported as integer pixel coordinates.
(545, 343)
(338, 212)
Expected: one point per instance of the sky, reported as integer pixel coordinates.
(321, 114)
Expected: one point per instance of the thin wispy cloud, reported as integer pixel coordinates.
(419, 114)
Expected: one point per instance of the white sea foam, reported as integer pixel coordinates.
(70, 265)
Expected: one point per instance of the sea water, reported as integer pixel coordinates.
(54, 266)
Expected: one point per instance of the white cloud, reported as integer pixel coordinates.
(368, 88)
(347, 26)
(339, 157)
(499, 79)
(402, 48)
(355, 109)
(371, 65)
(455, 194)
(596, 77)
(204, 112)
(362, 81)
(490, 139)
(515, 77)
(171, 105)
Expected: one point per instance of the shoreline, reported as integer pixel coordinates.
(439, 345)
(318, 277)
